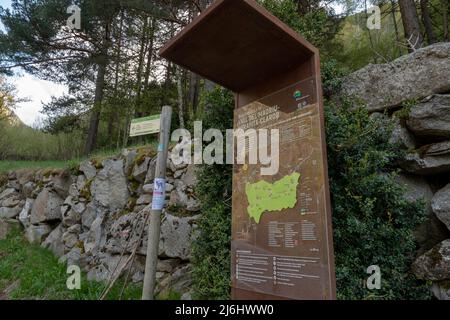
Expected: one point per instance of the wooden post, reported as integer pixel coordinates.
(159, 194)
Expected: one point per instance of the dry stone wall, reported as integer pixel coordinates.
(414, 90)
(92, 217)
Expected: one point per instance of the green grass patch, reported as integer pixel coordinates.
(6, 165)
(41, 277)
(96, 158)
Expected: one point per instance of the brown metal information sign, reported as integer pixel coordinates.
(280, 244)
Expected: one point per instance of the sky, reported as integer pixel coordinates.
(36, 91)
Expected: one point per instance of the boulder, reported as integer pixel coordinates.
(90, 214)
(11, 202)
(167, 265)
(60, 183)
(441, 290)
(70, 237)
(25, 214)
(441, 205)
(177, 234)
(414, 76)
(9, 213)
(434, 265)
(7, 193)
(36, 233)
(54, 241)
(28, 189)
(402, 137)
(144, 200)
(109, 187)
(130, 157)
(151, 171)
(96, 236)
(14, 184)
(106, 266)
(417, 188)
(190, 177)
(88, 169)
(25, 175)
(148, 189)
(179, 281)
(74, 257)
(432, 231)
(124, 233)
(140, 170)
(431, 118)
(180, 198)
(430, 159)
(47, 207)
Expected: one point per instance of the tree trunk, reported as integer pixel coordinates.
(209, 86)
(194, 83)
(180, 98)
(411, 24)
(426, 19)
(150, 53)
(303, 7)
(113, 117)
(91, 140)
(375, 57)
(445, 18)
(142, 52)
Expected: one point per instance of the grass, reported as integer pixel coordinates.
(40, 276)
(8, 165)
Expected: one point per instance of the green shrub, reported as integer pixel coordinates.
(373, 222)
(212, 249)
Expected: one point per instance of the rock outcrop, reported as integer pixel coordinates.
(415, 76)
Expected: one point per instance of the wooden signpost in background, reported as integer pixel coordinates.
(282, 245)
(144, 126)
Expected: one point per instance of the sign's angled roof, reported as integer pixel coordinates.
(237, 43)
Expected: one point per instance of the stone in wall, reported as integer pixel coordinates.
(109, 187)
(432, 231)
(441, 205)
(414, 76)
(47, 207)
(434, 265)
(431, 117)
(430, 159)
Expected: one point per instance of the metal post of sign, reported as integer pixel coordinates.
(159, 194)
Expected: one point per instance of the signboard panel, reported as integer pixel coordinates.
(282, 245)
(281, 229)
(144, 126)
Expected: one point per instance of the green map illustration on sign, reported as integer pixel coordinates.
(263, 196)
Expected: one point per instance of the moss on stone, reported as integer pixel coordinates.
(178, 211)
(80, 245)
(131, 204)
(3, 179)
(86, 191)
(435, 256)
